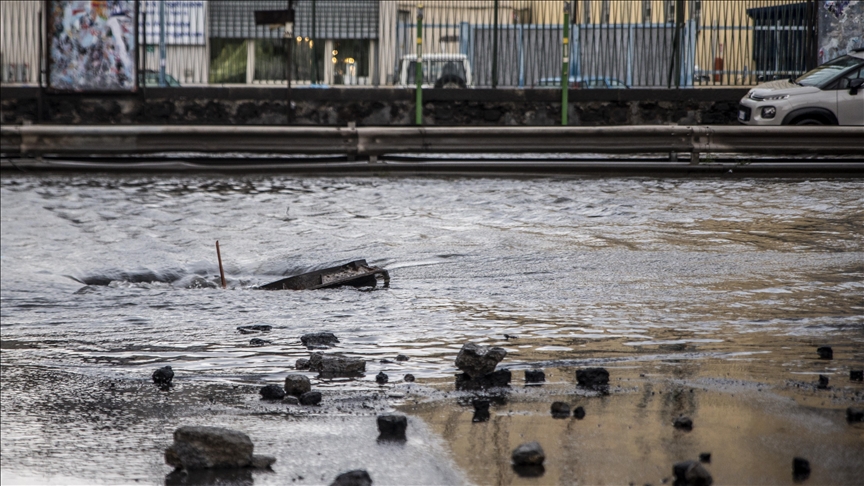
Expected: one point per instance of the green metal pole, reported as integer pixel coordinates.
(565, 65)
(418, 119)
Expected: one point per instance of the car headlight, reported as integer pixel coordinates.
(775, 98)
(769, 112)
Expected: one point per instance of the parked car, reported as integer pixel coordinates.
(588, 82)
(150, 79)
(831, 94)
(439, 71)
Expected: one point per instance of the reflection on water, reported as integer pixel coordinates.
(107, 278)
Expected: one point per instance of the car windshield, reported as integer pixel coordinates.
(436, 69)
(828, 71)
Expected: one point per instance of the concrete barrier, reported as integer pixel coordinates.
(35, 140)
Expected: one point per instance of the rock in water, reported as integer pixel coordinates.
(409, 378)
(800, 468)
(594, 378)
(382, 378)
(856, 375)
(481, 410)
(478, 361)
(336, 365)
(825, 352)
(163, 376)
(310, 398)
(823, 382)
(705, 457)
(254, 329)
(199, 447)
(691, 473)
(401, 357)
(683, 423)
(392, 426)
(357, 477)
(528, 454)
(258, 342)
(272, 392)
(579, 412)
(319, 340)
(854, 415)
(560, 410)
(301, 364)
(297, 384)
(535, 376)
(500, 378)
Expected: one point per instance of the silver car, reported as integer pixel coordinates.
(831, 94)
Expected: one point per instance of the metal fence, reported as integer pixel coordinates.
(502, 43)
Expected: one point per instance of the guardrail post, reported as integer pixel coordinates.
(418, 118)
(565, 65)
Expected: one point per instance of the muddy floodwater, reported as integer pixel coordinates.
(701, 297)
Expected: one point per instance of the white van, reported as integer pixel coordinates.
(439, 71)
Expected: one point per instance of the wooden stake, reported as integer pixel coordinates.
(221, 271)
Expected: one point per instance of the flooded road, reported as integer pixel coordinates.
(721, 287)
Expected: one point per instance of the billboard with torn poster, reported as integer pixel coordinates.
(91, 45)
(841, 28)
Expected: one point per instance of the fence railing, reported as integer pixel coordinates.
(501, 43)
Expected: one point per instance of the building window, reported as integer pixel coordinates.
(696, 10)
(646, 11)
(586, 12)
(605, 14)
(670, 12)
(227, 61)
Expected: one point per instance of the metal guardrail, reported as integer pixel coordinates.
(36, 140)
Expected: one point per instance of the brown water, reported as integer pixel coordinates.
(722, 287)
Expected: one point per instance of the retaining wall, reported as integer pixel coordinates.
(373, 107)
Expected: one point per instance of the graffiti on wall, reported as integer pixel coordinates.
(841, 28)
(91, 45)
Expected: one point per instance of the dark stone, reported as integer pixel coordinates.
(856, 375)
(301, 364)
(825, 352)
(500, 378)
(272, 392)
(477, 360)
(683, 423)
(258, 342)
(319, 340)
(593, 378)
(510, 336)
(705, 457)
(197, 447)
(401, 357)
(528, 454)
(409, 377)
(310, 398)
(854, 414)
(529, 471)
(392, 426)
(207, 477)
(823, 382)
(579, 412)
(800, 468)
(297, 384)
(481, 410)
(560, 410)
(382, 378)
(163, 376)
(691, 473)
(331, 365)
(254, 329)
(291, 400)
(357, 477)
(535, 376)
(385, 360)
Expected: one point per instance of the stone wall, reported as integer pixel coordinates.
(373, 107)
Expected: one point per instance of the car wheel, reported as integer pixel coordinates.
(809, 121)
